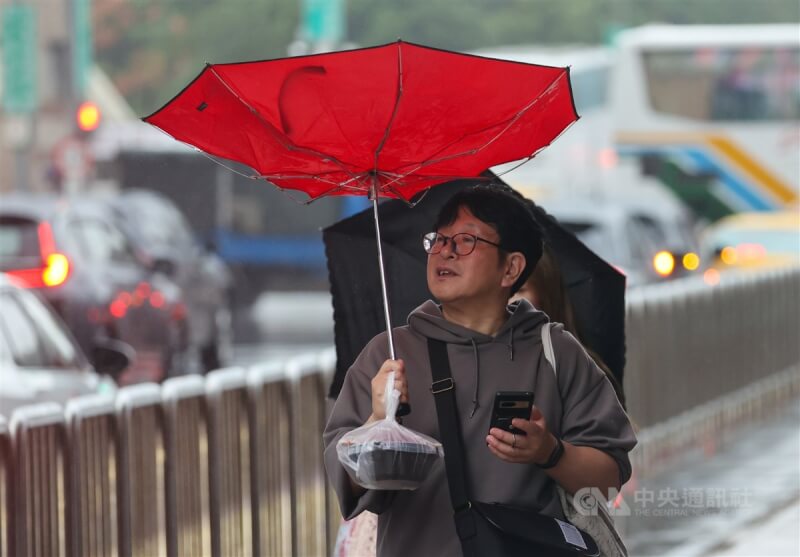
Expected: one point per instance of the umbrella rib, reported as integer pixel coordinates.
(509, 123)
(281, 138)
(285, 191)
(396, 107)
(530, 105)
(271, 177)
(216, 160)
(526, 160)
(251, 176)
(338, 185)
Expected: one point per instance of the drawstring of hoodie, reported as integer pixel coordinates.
(477, 377)
(475, 403)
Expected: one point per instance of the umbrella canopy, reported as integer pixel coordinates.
(596, 289)
(399, 117)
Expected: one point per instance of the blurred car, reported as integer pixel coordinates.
(39, 359)
(71, 251)
(160, 231)
(646, 242)
(753, 240)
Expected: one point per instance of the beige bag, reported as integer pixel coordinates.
(597, 522)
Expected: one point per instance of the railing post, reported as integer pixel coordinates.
(40, 450)
(6, 491)
(229, 436)
(272, 457)
(142, 472)
(94, 450)
(188, 471)
(308, 409)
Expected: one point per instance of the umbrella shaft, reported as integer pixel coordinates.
(383, 277)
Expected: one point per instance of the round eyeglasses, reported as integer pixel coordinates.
(463, 243)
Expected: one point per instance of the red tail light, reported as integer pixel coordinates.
(118, 308)
(27, 278)
(751, 252)
(98, 315)
(55, 269)
(156, 299)
(178, 312)
(143, 290)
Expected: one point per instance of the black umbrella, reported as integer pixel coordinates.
(596, 289)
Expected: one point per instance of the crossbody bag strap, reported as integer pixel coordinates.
(443, 389)
(547, 344)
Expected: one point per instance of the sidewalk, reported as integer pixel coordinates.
(778, 536)
(743, 500)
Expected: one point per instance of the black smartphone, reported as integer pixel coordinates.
(509, 405)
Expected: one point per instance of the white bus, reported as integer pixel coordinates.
(713, 111)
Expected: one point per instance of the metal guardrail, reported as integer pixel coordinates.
(688, 343)
(231, 464)
(713, 425)
(196, 466)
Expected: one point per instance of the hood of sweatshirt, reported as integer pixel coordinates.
(428, 321)
(523, 322)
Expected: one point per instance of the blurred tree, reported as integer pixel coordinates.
(461, 24)
(152, 48)
(451, 24)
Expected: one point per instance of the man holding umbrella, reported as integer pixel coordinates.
(392, 121)
(577, 435)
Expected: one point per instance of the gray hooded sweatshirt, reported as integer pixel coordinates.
(582, 409)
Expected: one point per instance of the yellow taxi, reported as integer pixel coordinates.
(753, 240)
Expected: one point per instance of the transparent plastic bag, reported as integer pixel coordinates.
(386, 455)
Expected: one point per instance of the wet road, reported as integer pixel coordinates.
(737, 497)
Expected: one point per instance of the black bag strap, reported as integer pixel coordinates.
(443, 389)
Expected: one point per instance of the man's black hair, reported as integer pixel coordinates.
(504, 211)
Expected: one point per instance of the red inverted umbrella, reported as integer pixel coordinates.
(387, 121)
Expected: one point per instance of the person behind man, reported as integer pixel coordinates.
(480, 253)
(546, 291)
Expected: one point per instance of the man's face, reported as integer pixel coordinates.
(477, 277)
